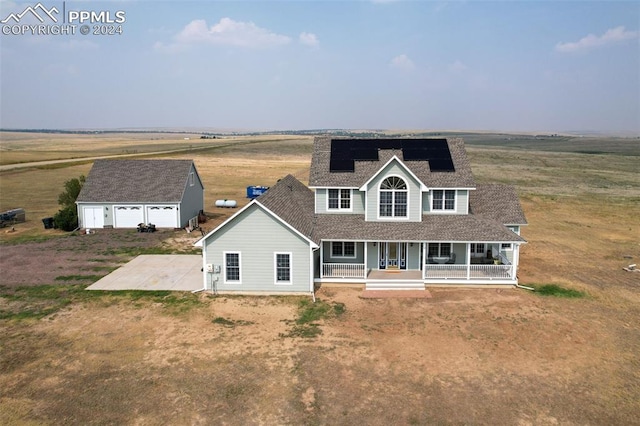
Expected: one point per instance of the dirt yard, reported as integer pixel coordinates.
(462, 357)
(465, 356)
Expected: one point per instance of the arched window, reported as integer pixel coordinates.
(393, 197)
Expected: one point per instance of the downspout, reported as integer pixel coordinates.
(311, 274)
(525, 287)
(516, 261)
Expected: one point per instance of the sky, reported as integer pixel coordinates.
(538, 66)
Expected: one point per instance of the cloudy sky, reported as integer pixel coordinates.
(465, 65)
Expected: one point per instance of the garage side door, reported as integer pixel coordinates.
(163, 216)
(92, 217)
(127, 216)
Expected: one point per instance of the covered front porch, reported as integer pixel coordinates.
(414, 264)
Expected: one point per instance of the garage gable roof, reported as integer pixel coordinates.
(135, 181)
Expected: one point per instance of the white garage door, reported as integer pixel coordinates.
(163, 216)
(92, 217)
(127, 216)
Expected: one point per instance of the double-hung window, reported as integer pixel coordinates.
(439, 249)
(477, 249)
(393, 197)
(343, 249)
(232, 267)
(282, 268)
(443, 199)
(339, 199)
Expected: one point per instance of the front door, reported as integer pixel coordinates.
(392, 255)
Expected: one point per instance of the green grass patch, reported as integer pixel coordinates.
(37, 302)
(107, 269)
(309, 313)
(230, 323)
(92, 278)
(557, 291)
(137, 251)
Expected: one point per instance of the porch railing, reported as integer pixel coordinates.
(445, 271)
(343, 270)
(478, 272)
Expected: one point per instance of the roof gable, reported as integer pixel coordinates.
(383, 169)
(289, 202)
(293, 202)
(131, 181)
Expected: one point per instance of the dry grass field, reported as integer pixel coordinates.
(465, 356)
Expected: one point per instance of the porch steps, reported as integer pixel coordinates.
(394, 285)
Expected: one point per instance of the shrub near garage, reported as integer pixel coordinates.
(67, 217)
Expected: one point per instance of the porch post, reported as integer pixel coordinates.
(468, 261)
(365, 259)
(423, 267)
(321, 259)
(516, 260)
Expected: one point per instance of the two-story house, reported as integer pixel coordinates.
(386, 213)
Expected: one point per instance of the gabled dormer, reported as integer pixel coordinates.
(394, 192)
(391, 179)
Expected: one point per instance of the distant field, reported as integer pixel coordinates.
(584, 145)
(229, 165)
(20, 147)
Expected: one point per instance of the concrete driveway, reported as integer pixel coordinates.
(180, 272)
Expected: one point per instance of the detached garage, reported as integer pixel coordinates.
(125, 193)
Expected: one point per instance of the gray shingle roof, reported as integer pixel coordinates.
(133, 181)
(497, 202)
(321, 175)
(293, 202)
(432, 228)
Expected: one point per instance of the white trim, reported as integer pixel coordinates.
(393, 201)
(275, 268)
(224, 267)
(115, 207)
(444, 200)
(312, 270)
(205, 274)
(333, 187)
(423, 187)
(200, 242)
(339, 209)
(174, 207)
(82, 216)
